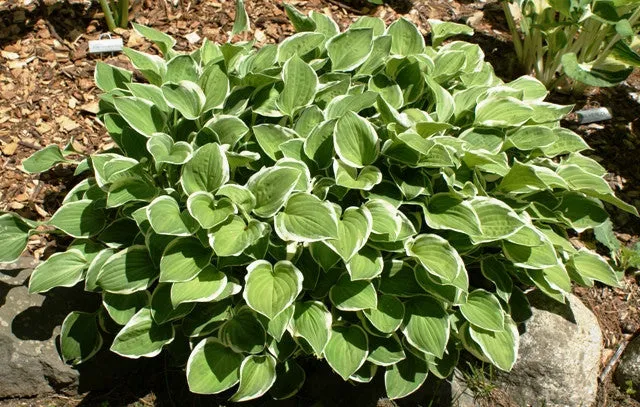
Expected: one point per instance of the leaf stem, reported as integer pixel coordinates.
(108, 15)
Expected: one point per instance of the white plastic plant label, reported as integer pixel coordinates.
(105, 45)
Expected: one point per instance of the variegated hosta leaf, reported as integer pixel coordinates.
(182, 259)
(213, 367)
(127, 271)
(312, 322)
(405, 377)
(80, 338)
(346, 350)
(15, 234)
(437, 256)
(306, 218)
(142, 337)
(257, 375)
(207, 211)
(244, 332)
(60, 270)
(483, 310)
(269, 289)
(388, 314)
(500, 347)
(166, 218)
(426, 325)
(207, 286)
(354, 229)
(348, 295)
(355, 140)
(206, 171)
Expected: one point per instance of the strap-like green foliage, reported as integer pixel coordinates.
(589, 41)
(358, 196)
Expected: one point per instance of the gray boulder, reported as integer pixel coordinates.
(559, 357)
(628, 370)
(29, 329)
(29, 362)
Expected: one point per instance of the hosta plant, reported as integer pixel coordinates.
(354, 196)
(590, 42)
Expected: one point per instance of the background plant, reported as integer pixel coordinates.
(116, 13)
(353, 196)
(588, 41)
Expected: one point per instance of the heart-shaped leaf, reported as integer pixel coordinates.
(405, 377)
(207, 170)
(436, 255)
(306, 218)
(166, 218)
(186, 97)
(353, 232)
(349, 295)
(257, 375)
(367, 264)
(209, 212)
(352, 178)
(243, 332)
(232, 237)
(183, 259)
(388, 314)
(15, 235)
(213, 367)
(312, 322)
(483, 310)
(346, 350)
(205, 287)
(426, 325)
(164, 150)
(271, 187)
(269, 290)
(350, 49)
(355, 140)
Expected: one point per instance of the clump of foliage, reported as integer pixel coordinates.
(351, 196)
(116, 13)
(586, 41)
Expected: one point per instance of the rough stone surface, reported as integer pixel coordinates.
(29, 330)
(629, 367)
(29, 362)
(461, 395)
(559, 357)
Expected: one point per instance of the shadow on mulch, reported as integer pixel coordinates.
(615, 143)
(65, 21)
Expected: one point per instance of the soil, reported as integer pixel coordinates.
(47, 95)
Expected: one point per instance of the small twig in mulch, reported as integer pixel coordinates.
(29, 145)
(346, 7)
(55, 34)
(613, 360)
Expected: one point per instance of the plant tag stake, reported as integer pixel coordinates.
(105, 45)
